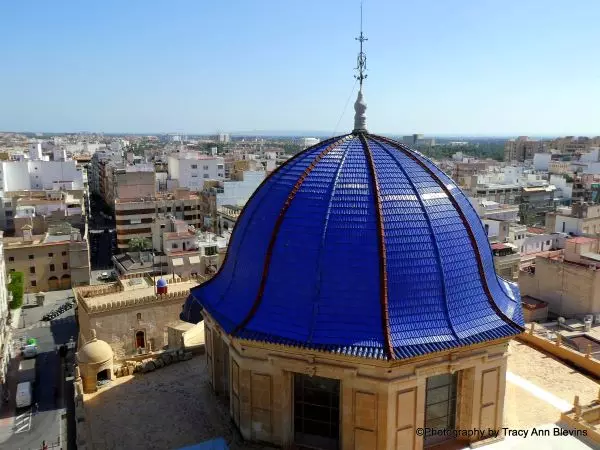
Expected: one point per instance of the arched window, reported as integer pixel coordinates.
(139, 316)
(140, 339)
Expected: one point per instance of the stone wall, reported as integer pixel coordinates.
(82, 427)
(118, 327)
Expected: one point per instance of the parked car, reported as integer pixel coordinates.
(30, 351)
(104, 276)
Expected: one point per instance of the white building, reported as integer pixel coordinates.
(564, 189)
(191, 170)
(38, 175)
(541, 161)
(237, 193)
(224, 138)
(308, 142)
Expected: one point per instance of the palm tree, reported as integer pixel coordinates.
(139, 244)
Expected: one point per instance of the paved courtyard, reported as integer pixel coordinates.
(174, 406)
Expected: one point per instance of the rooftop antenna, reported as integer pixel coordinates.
(360, 107)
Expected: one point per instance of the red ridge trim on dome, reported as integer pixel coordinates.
(431, 231)
(464, 220)
(385, 318)
(277, 169)
(284, 209)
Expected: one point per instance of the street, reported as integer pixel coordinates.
(102, 236)
(27, 428)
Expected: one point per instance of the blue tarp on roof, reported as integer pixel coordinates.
(213, 444)
(362, 246)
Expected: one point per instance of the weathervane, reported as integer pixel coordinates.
(360, 107)
(361, 61)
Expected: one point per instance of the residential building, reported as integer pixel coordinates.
(521, 149)
(58, 259)
(574, 144)
(40, 175)
(41, 209)
(192, 169)
(506, 260)
(176, 248)
(567, 280)
(6, 352)
(535, 203)
(224, 138)
(579, 219)
(135, 216)
(227, 216)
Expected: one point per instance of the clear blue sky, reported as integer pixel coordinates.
(435, 66)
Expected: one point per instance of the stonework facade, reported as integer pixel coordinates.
(381, 404)
(131, 321)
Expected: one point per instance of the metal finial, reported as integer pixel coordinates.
(360, 106)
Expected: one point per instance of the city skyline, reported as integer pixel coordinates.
(463, 70)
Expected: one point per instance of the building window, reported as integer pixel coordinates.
(64, 253)
(11, 258)
(65, 266)
(50, 255)
(139, 316)
(32, 270)
(210, 251)
(12, 270)
(205, 175)
(194, 166)
(51, 267)
(8, 213)
(33, 283)
(547, 242)
(30, 256)
(563, 230)
(205, 167)
(174, 245)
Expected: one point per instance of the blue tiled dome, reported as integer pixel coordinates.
(161, 283)
(362, 246)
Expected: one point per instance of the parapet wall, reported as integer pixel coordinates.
(130, 302)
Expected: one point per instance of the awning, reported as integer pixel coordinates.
(194, 259)
(177, 261)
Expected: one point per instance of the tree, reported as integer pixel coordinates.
(139, 245)
(15, 287)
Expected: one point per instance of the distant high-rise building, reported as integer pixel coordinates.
(224, 138)
(521, 149)
(308, 142)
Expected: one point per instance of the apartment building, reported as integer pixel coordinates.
(134, 217)
(192, 169)
(58, 259)
(568, 280)
(574, 144)
(40, 209)
(580, 219)
(521, 149)
(40, 175)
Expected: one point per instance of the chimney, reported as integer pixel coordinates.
(27, 233)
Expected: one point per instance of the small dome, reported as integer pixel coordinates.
(94, 351)
(161, 282)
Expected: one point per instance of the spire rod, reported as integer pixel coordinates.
(360, 107)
